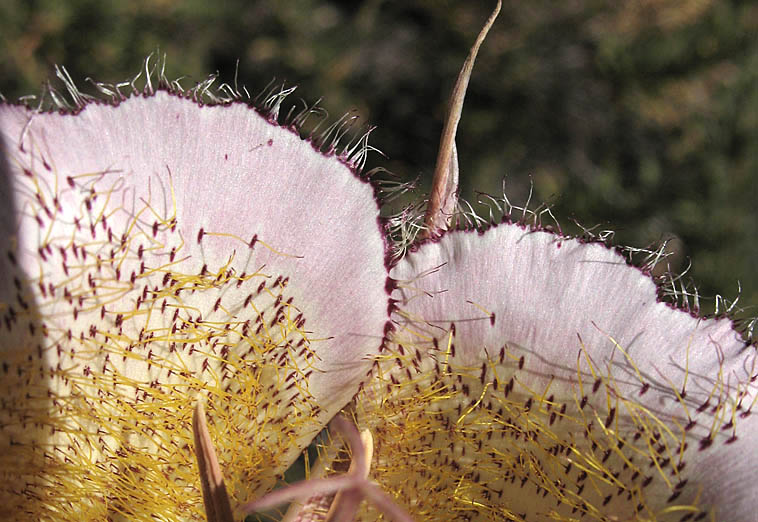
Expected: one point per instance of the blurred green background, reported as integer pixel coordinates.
(637, 116)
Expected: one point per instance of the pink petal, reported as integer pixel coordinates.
(540, 324)
(162, 248)
(304, 489)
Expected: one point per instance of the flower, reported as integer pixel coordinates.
(500, 372)
(532, 376)
(535, 377)
(155, 249)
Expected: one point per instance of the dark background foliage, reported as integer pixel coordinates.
(638, 116)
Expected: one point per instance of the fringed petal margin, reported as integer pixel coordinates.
(157, 250)
(534, 377)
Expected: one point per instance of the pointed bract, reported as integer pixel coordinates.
(444, 195)
(215, 498)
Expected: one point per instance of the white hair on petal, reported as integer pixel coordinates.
(79, 98)
(272, 102)
(405, 226)
(343, 137)
(299, 119)
(676, 288)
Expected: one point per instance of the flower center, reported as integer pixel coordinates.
(506, 439)
(115, 335)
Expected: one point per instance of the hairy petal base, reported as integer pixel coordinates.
(534, 377)
(156, 250)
